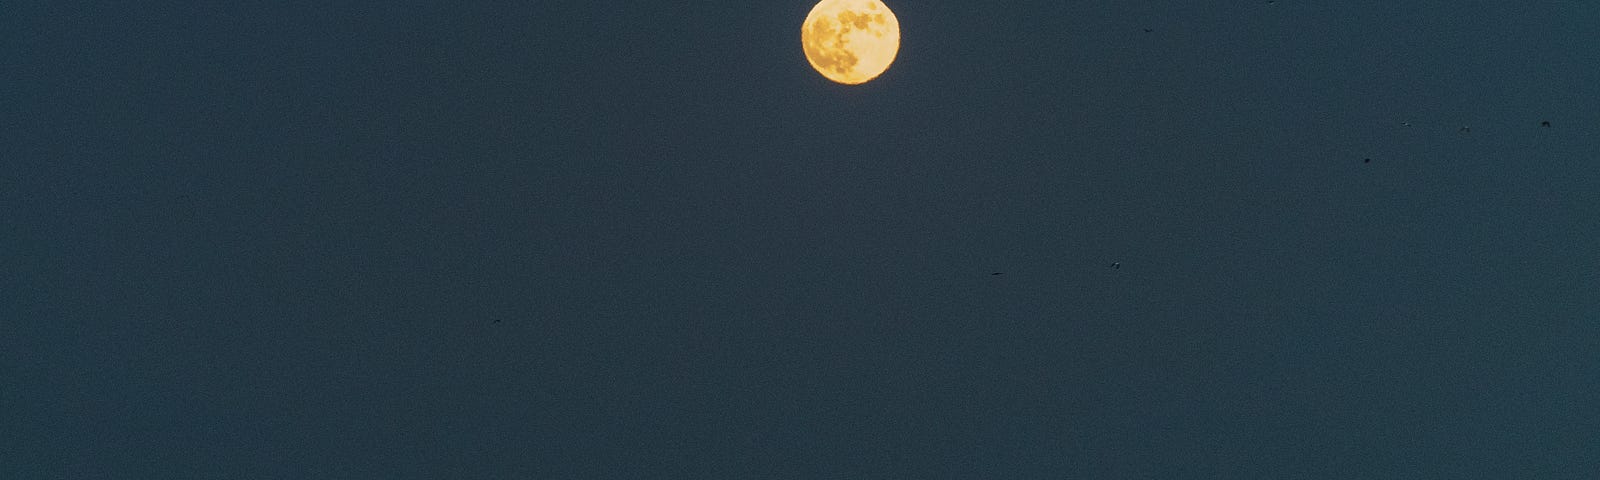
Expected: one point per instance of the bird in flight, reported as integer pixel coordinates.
(1545, 124)
(997, 273)
(1116, 265)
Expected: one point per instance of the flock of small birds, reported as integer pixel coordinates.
(1464, 130)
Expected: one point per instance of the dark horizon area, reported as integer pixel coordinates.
(586, 240)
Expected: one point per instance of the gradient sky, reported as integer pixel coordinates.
(583, 240)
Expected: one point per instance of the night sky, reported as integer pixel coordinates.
(585, 240)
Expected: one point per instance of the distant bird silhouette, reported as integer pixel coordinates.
(1366, 160)
(1465, 129)
(997, 273)
(1545, 124)
(1405, 124)
(1148, 30)
(1116, 265)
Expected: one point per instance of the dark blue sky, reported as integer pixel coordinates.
(579, 240)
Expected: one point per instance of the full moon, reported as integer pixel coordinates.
(850, 41)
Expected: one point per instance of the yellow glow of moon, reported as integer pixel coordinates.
(850, 41)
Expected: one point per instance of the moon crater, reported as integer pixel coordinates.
(850, 41)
